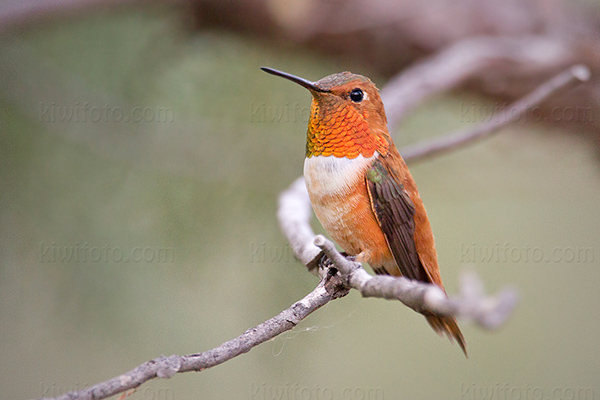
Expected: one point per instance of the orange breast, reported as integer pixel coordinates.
(339, 196)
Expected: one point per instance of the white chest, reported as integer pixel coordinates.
(327, 176)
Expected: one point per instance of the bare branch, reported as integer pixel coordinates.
(294, 216)
(165, 367)
(472, 303)
(462, 137)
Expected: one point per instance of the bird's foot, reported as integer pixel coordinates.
(322, 262)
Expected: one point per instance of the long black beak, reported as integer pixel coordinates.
(300, 81)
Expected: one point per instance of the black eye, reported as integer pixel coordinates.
(357, 95)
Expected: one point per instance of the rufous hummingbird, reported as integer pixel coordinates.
(361, 189)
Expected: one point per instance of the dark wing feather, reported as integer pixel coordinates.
(395, 213)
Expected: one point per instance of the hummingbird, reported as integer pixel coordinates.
(361, 189)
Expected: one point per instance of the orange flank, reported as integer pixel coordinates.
(361, 189)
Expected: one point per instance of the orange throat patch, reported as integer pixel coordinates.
(341, 132)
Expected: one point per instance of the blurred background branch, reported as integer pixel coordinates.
(499, 48)
(514, 112)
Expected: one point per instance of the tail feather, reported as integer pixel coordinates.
(441, 325)
(449, 327)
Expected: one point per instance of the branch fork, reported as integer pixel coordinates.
(488, 312)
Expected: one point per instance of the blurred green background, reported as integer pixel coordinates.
(157, 155)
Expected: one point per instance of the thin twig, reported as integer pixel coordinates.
(462, 137)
